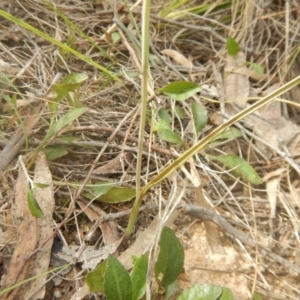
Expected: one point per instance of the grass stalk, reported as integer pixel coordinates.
(144, 96)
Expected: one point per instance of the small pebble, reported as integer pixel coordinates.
(57, 294)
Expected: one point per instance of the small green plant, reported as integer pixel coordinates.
(113, 280)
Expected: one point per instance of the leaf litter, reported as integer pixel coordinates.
(267, 213)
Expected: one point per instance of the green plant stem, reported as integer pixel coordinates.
(3, 292)
(202, 144)
(145, 67)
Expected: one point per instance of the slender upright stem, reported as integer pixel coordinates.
(144, 96)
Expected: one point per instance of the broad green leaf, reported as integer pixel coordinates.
(117, 282)
(117, 195)
(228, 133)
(201, 292)
(170, 260)
(33, 205)
(232, 46)
(257, 296)
(139, 277)
(161, 125)
(67, 119)
(226, 294)
(54, 152)
(240, 166)
(95, 278)
(181, 90)
(164, 115)
(199, 116)
(170, 136)
(179, 112)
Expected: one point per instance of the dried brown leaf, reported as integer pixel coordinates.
(178, 57)
(33, 233)
(45, 198)
(107, 228)
(27, 229)
(143, 240)
(236, 83)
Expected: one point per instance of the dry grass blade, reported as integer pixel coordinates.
(21, 135)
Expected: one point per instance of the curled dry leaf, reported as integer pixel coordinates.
(236, 82)
(90, 257)
(26, 227)
(108, 229)
(33, 233)
(178, 57)
(273, 128)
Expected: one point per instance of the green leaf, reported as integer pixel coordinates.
(97, 189)
(181, 90)
(199, 116)
(139, 277)
(170, 136)
(257, 296)
(161, 125)
(179, 112)
(115, 37)
(257, 68)
(171, 289)
(33, 204)
(117, 282)
(226, 294)
(67, 119)
(201, 292)
(232, 46)
(240, 166)
(73, 100)
(69, 84)
(117, 195)
(95, 278)
(75, 80)
(54, 152)
(228, 133)
(41, 185)
(170, 260)
(163, 114)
